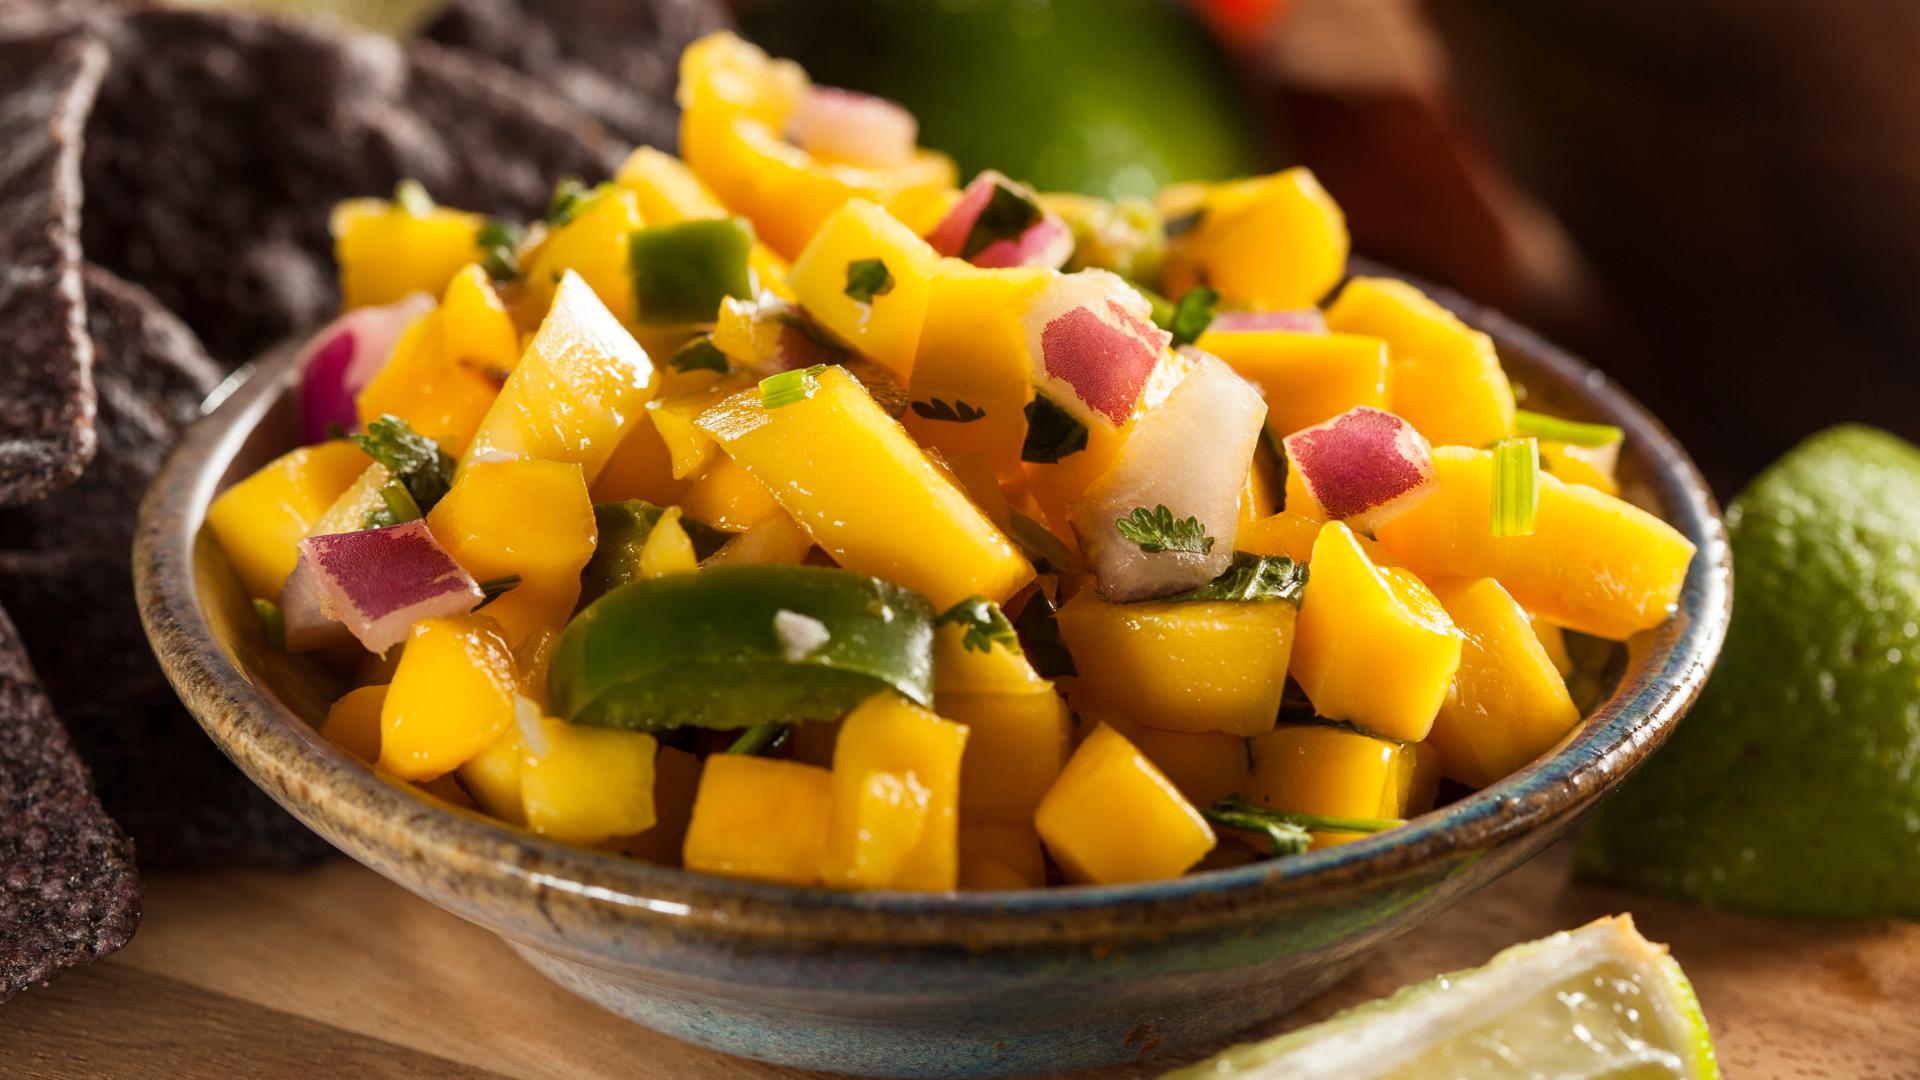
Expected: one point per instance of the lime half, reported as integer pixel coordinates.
(1600, 1001)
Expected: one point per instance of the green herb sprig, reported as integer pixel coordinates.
(414, 461)
(984, 623)
(499, 243)
(1007, 215)
(1052, 433)
(959, 412)
(866, 279)
(1157, 530)
(1287, 833)
(1192, 315)
(700, 354)
(1251, 578)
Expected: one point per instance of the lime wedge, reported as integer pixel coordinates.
(1600, 1001)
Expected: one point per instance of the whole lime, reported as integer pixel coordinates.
(1794, 786)
(1106, 97)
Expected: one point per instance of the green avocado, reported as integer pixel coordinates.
(1794, 786)
(1107, 97)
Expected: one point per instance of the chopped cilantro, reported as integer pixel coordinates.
(569, 198)
(1007, 215)
(700, 354)
(1287, 833)
(499, 243)
(1192, 315)
(761, 738)
(1052, 433)
(397, 507)
(1040, 639)
(416, 462)
(986, 625)
(957, 413)
(866, 279)
(1254, 577)
(1157, 530)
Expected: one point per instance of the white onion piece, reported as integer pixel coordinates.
(339, 361)
(853, 128)
(1190, 454)
(379, 582)
(1097, 346)
(1363, 467)
(1298, 320)
(1047, 243)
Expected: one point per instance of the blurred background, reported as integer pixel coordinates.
(1717, 201)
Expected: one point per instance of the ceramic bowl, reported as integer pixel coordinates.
(914, 984)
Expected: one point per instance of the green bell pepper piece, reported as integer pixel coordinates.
(623, 528)
(720, 649)
(682, 271)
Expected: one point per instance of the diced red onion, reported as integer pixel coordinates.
(1046, 243)
(379, 582)
(1097, 345)
(338, 362)
(1298, 320)
(854, 128)
(1363, 467)
(303, 609)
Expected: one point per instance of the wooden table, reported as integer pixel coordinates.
(336, 972)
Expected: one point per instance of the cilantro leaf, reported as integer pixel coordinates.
(499, 242)
(1287, 833)
(957, 413)
(1249, 578)
(866, 279)
(986, 625)
(1192, 315)
(569, 198)
(1040, 639)
(1157, 530)
(1052, 433)
(397, 506)
(1185, 223)
(1008, 213)
(700, 354)
(418, 465)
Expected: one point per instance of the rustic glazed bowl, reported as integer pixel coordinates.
(914, 984)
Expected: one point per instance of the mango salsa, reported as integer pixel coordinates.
(972, 377)
(1113, 817)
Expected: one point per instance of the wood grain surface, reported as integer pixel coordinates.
(335, 972)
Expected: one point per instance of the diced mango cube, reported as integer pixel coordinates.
(387, 250)
(1374, 646)
(353, 723)
(1445, 376)
(854, 479)
(1308, 378)
(1113, 817)
(493, 777)
(668, 549)
(1000, 853)
(1590, 465)
(594, 245)
(883, 322)
(526, 519)
(1285, 533)
(477, 332)
(1017, 745)
(666, 189)
(424, 384)
(1206, 766)
(451, 697)
(759, 818)
(896, 794)
(1320, 769)
(972, 376)
(261, 520)
(728, 497)
(689, 449)
(1508, 704)
(585, 784)
(578, 390)
(1187, 665)
(1593, 563)
(1274, 242)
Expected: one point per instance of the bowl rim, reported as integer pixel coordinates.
(283, 754)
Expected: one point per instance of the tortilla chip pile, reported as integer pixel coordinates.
(207, 150)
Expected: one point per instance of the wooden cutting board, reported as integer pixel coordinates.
(336, 972)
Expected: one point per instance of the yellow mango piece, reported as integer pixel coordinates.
(353, 723)
(585, 784)
(999, 670)
(493, 776)
(577, 391)
(526, 519)
(1593, 563)
(667, 549)
(728, 497)
(851, 476)
(972, 361)
(1285, 533)
(386, 252)
(759, 818)
(676, 781)
(593, 245)
(667, 191)
(1589, 465)
(896, 793)
(1320, 769)
(1508, 704)
(261, 520)
(885, 328)
(1275, 242)
(1206, 766)
(641, 468)
(1017, 745)
(1191, 665)
(1308, 378)
(775, 540)
(476, 330)
(688, 448)
(1445, 376)
(1113, 817)
(451, 697)
(734, 105)
(428, 387)
(998, 853)
(1374, 646)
